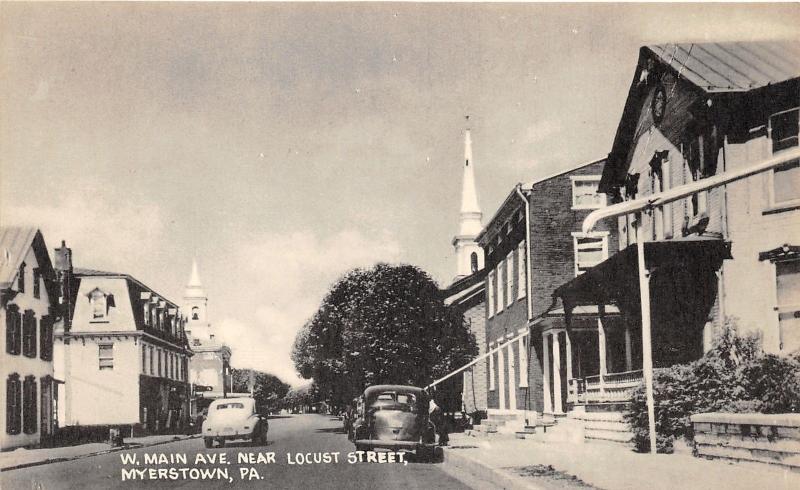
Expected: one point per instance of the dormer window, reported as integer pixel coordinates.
(100, 303)
(146, 316)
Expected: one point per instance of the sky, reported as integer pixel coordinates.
(284, 144)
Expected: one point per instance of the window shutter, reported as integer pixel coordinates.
(29, 334)
(46, 338)
(13, 334)
(13, 396)
(30, 414)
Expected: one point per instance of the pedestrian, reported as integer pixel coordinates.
(439, 421)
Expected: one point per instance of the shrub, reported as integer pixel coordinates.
(734, 376)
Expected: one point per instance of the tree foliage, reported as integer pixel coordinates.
(387, 324)
(734, 376)
(268, 390)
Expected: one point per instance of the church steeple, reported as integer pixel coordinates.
(469, 255)
(195, 307)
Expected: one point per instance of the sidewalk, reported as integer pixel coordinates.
(22, 458)
(605, 465)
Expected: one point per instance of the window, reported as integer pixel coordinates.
(29, 334)
(490, 293)
(584, 192)
(491, 369)
(660, 182)
(13, 330)
(36, 283)
(29, 411)
(195, 313)
(500, 285)
(46, 338)
(99, 303)
(590, 250)
(146, 309)
(106, 356)
(521, 266)
(783, 129)
(509, 278)
(144, 359)
(21, 278)
(154, 317)
(473, 262)
(158, 354)
(694, 154)
(13, 405)
(788, 283)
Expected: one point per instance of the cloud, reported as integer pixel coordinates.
(286, 276)
(100, 229)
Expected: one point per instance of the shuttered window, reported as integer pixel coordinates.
(30, 414)
(13, 330)
(29, 334)
(46, 338)
(13, 405)
(106, 356)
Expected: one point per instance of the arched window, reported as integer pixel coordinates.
(195, 313)
(473, 260)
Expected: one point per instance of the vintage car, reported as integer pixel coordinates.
(394, 417)
(232, 419)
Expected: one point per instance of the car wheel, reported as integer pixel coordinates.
(361, 447)
(208, 442)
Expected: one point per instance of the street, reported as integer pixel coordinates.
(287, 435)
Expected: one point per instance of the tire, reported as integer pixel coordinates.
(361, 447)
(208, 442)
(221, 443)
(424, 455)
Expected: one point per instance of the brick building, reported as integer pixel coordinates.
(525, 375)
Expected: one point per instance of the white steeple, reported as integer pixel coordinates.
(469, 255)
(194, 288)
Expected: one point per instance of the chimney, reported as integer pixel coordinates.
(63, 268)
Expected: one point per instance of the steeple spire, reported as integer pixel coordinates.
(194, 288)
(469, 255)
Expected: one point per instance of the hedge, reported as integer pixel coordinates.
(734, 376)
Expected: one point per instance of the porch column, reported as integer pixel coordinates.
(548, 404)
(628, 353)
(501, 375)
(557, 374)
(601, 342)
(569, 355)
(512, 382)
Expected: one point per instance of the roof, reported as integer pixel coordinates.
(733, 66)
(14, 244)
(84, 272)
(80, 271)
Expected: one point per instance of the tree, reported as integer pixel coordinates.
(387, 324)
(268, 390)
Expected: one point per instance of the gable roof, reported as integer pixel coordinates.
(733, 66)
(715, 69)
(14, 244)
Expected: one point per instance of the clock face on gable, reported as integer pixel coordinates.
(659, 104)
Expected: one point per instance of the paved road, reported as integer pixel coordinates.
(287, 436)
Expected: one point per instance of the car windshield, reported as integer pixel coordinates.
(222, 406)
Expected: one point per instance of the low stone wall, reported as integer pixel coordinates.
(763, 438)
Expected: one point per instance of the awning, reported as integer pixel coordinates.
(615, 280)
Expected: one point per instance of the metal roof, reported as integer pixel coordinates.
(14, 244)
(734, 66)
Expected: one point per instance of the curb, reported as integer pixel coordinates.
(466, 469)
(133, 445)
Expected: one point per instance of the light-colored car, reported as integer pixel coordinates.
(232, 419)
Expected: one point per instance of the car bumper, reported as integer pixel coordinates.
(384, 444)
(226, 435)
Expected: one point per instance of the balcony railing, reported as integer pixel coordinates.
(613, 387)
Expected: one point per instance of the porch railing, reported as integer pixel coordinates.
(612, 387)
